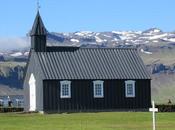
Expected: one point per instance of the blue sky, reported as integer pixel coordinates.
(17, 16)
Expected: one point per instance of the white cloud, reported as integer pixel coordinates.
(9, 43)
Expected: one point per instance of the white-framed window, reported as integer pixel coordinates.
(65, 89)
(98, 89)
(130, 88)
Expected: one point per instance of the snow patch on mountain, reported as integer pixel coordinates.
(158, 36)
(156, 30)
(107, 36)
(16, 54)
(97, 34)
(152, 31)
(155, 41)
(74, 40)
(169, 39)
(98, 40)
(66, 34)
(127, 43)
(123, 37)
(26, 53)
(79, 34)
(146, 52)
(121, 32)
(115, 39)
(83, 33)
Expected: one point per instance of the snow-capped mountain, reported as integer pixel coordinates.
(146, 40)
(151, 37)
(15, 55)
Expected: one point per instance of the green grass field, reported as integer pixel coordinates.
(87, 121)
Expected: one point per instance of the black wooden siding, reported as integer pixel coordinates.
(82, 96)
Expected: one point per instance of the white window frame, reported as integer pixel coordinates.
(69, 89)
(94, 85)
(133, 86)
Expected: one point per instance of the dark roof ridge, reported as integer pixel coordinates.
(130, 48)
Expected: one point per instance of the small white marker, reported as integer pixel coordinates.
(153, 110)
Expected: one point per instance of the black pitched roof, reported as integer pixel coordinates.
(92, 63)
(38, 26)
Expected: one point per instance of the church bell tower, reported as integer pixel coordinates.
(38, 35)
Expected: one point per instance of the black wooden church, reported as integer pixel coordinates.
(69, 79)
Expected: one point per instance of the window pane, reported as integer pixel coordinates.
(98, 90)
(129, 89)
(65, 90)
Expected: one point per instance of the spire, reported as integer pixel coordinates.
(38, 26)
(38, 35)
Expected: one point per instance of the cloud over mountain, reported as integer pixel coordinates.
(10, 43)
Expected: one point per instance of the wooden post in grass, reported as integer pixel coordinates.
(153, 110)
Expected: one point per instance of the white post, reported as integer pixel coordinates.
(154, 118)
(17, 103)
(153, 110)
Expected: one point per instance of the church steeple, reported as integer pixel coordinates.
(38, 35)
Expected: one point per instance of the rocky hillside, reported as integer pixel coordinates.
(12, 73)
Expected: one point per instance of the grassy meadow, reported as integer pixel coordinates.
(87, 121)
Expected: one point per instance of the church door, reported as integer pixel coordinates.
(32, 91)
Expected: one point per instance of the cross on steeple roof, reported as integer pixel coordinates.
(38, 5)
